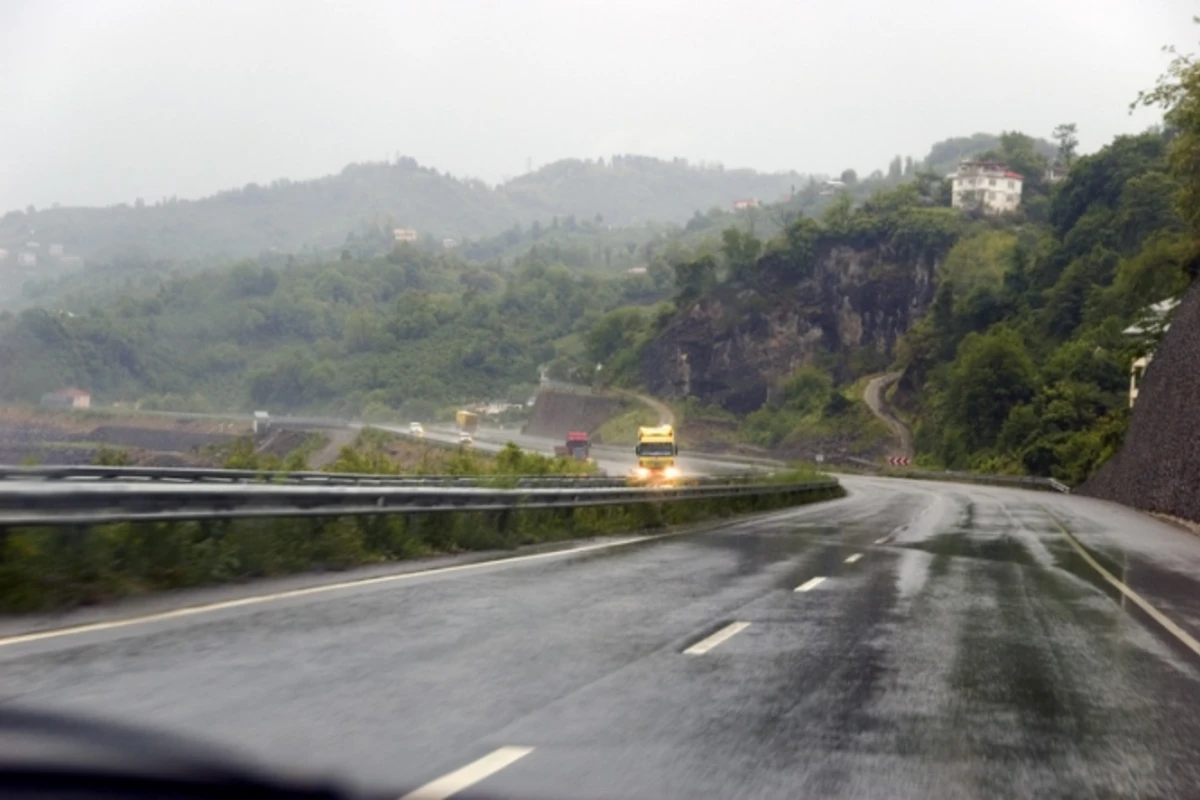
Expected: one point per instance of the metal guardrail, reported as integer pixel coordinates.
(1016, 481)
(190, 475)
(94, 473)
(51, 503)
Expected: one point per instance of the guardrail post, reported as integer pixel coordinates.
(504, 523)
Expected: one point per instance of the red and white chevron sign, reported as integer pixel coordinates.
(898, 461)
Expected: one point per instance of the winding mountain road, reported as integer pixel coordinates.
(874, 397)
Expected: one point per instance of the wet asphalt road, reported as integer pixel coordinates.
(970, 653)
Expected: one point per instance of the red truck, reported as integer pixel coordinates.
(577, 447)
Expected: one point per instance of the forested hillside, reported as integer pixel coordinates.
(355, 337)
(290, 216)
(1020, 363)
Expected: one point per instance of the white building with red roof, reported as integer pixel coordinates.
(989, 185)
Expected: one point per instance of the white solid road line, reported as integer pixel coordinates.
(242, 602)
(811, 583)
(853, 558)
(728, 632)
(883, 539)
(468, 776)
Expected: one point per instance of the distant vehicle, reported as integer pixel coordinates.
(416, 429)
(656, 451)
(578, 446)
(468, 421)
(465, 438)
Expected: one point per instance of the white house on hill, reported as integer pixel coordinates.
(989, 185)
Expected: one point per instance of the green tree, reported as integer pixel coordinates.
(992, 372)
(616, 330)
(980, 259)
(808, 390)
(1068, 142)
(1177, 92)
(694, 279)
(741, 251)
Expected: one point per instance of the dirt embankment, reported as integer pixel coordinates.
(555, 412)
(335, 441)
(1158, 469)
(55, 438)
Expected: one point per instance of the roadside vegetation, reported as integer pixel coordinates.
(43, 569)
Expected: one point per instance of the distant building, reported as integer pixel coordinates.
(405, 234)
(67, 398)
(495, 409)
(26, 259)
(989, 185)
(1152, 321)
(742, 205)
(1055, 173)
(55, 250)
(33, 245)
(3, 254)
(71, 261)
(832, 187)
(449, 244)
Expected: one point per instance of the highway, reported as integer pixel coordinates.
(615, 460)
(913, 640)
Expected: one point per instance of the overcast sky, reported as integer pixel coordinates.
(105, 101)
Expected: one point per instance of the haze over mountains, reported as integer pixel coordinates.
(292, 215)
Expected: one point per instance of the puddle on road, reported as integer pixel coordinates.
(1068, 559)
(912, 572)
(961, 544)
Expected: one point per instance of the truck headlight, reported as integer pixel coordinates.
(671, 473)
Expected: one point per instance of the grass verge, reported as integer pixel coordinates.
(46, 569)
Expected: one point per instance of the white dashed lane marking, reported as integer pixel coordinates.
(728, 632)
(811, 583)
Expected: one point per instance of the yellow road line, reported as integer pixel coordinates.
(1162, 619)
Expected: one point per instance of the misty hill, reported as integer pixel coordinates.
(289, 216)
(944, 156)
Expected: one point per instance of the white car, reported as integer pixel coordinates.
(416, 429)
(465, 438)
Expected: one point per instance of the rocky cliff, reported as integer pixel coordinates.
(1158, 468)
(734, 346)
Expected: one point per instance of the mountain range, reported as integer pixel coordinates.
(290, 216)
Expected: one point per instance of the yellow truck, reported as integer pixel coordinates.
(656, 451)
(468, 421)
